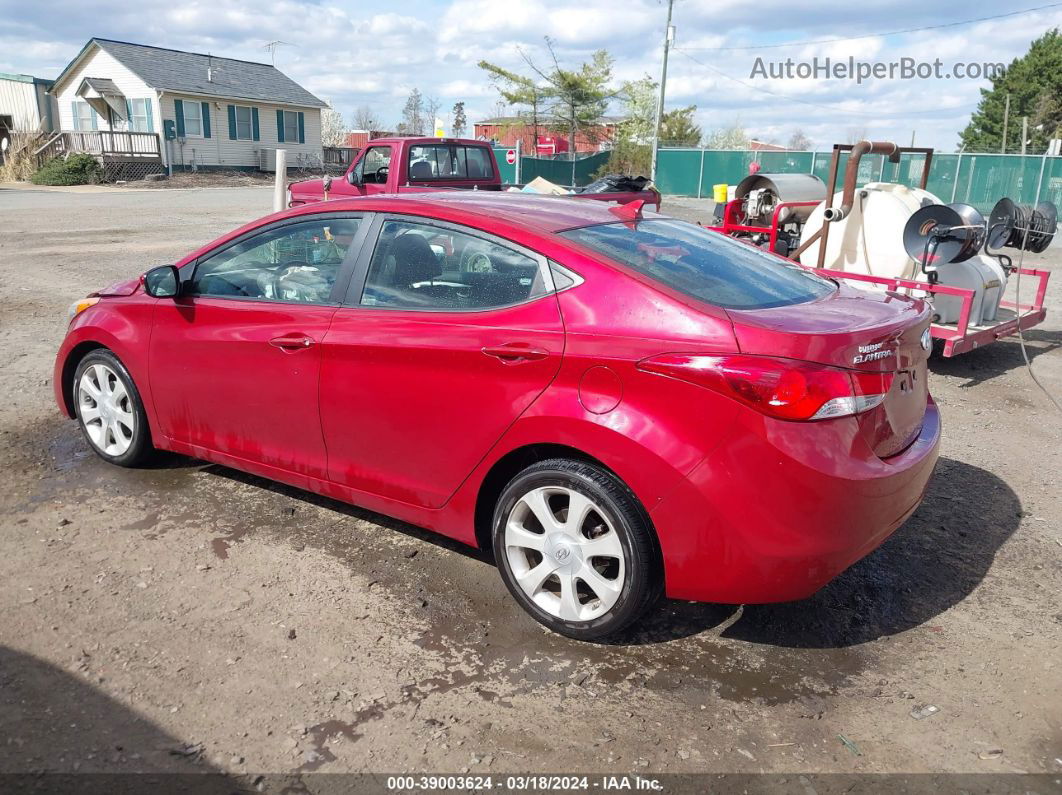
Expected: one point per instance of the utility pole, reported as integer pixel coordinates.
(668, 32)
(1024, 132)
(1006, 118)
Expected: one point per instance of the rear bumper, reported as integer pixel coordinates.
(780, 509)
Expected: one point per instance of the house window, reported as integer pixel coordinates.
(244, 127)
(193, 118)
(85, 118)
(291, 126)
(139, 115)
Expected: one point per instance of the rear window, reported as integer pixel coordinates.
(449, 161)
(704, 265)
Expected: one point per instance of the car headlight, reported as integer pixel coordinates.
(80, 306)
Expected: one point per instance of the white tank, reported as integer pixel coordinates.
(870, 238)
(984, 276)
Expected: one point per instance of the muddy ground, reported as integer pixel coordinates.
(191, 617)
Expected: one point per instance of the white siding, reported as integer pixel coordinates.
(100, 64)
(220, 150)
(18, 100)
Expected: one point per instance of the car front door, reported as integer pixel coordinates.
(235, 358)
(370, 174)
(448, 337)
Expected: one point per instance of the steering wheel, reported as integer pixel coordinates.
(289, 270)
(381, 174)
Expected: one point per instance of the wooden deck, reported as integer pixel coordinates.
(104, 145)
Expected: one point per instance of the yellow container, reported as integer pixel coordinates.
(719, 193)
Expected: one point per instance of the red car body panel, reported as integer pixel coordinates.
(401, 412)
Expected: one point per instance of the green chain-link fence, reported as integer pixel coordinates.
(975, 178)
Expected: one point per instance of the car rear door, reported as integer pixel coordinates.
(447, 336)
(235, 359)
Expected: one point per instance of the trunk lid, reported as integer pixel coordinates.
(854, 330)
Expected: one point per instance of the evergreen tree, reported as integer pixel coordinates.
(1034, 83)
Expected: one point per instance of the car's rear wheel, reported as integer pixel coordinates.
(110, 411)
(575, 548)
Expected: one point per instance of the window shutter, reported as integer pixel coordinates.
(150, 120)
(254, 124)
(128, 114)
(178, 111)
(280, 126)
(77, 119)
(302, 128)
(232, 122)
(206, 119)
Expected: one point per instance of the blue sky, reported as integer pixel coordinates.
(373, 53)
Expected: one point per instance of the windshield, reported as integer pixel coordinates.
(704, 265)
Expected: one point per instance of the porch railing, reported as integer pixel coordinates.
(103, 143)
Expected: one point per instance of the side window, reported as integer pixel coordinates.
(375, 166)
(479, 165)
(432, 161)
(418, 266)
(298, 262)
(193, 118)
(139, 115)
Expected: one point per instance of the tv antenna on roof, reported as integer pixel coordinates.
(272, 47)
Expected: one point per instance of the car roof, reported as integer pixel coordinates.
(424, 139)
(529, 211)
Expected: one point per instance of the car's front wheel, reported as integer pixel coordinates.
(110, 411)
(575, 548)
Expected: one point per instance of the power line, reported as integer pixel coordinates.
(876, 35)
(834, 108)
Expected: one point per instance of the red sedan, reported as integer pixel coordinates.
(617, 404)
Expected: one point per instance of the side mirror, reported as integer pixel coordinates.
(354, 177)
(162, 282)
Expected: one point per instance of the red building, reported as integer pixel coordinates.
(507, 130)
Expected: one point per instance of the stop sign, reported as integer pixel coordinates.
(510, 156)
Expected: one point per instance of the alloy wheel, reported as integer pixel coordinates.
(106, 409)
(564, 553)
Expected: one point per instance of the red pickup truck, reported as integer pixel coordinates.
(405, 165)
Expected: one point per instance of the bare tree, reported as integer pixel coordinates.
(432, 106)
(413, 114)
(798, 141)
(365, 119)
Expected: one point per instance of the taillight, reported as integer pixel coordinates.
(782, 388)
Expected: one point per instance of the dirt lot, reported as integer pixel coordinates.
(190, 617)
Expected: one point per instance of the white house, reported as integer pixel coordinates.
(209, 112)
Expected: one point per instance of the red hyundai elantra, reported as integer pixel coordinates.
(619, 405)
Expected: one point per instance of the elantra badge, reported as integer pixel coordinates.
(871, 353)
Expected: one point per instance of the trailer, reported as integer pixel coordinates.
(949, 255)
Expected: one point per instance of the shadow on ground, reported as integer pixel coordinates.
(999, 358)
(930, 564)
(63, 734)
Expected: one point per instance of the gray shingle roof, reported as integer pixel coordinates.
(175, 70)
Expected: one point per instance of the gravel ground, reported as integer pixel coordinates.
(189, 617)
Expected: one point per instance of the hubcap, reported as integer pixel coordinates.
(564, 553)
(105, 409)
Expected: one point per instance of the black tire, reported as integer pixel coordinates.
(618, 506)
(140, 449)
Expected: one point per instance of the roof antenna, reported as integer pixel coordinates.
(272, 47)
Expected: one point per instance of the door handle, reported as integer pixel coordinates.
(291, 342)
(513, 352)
